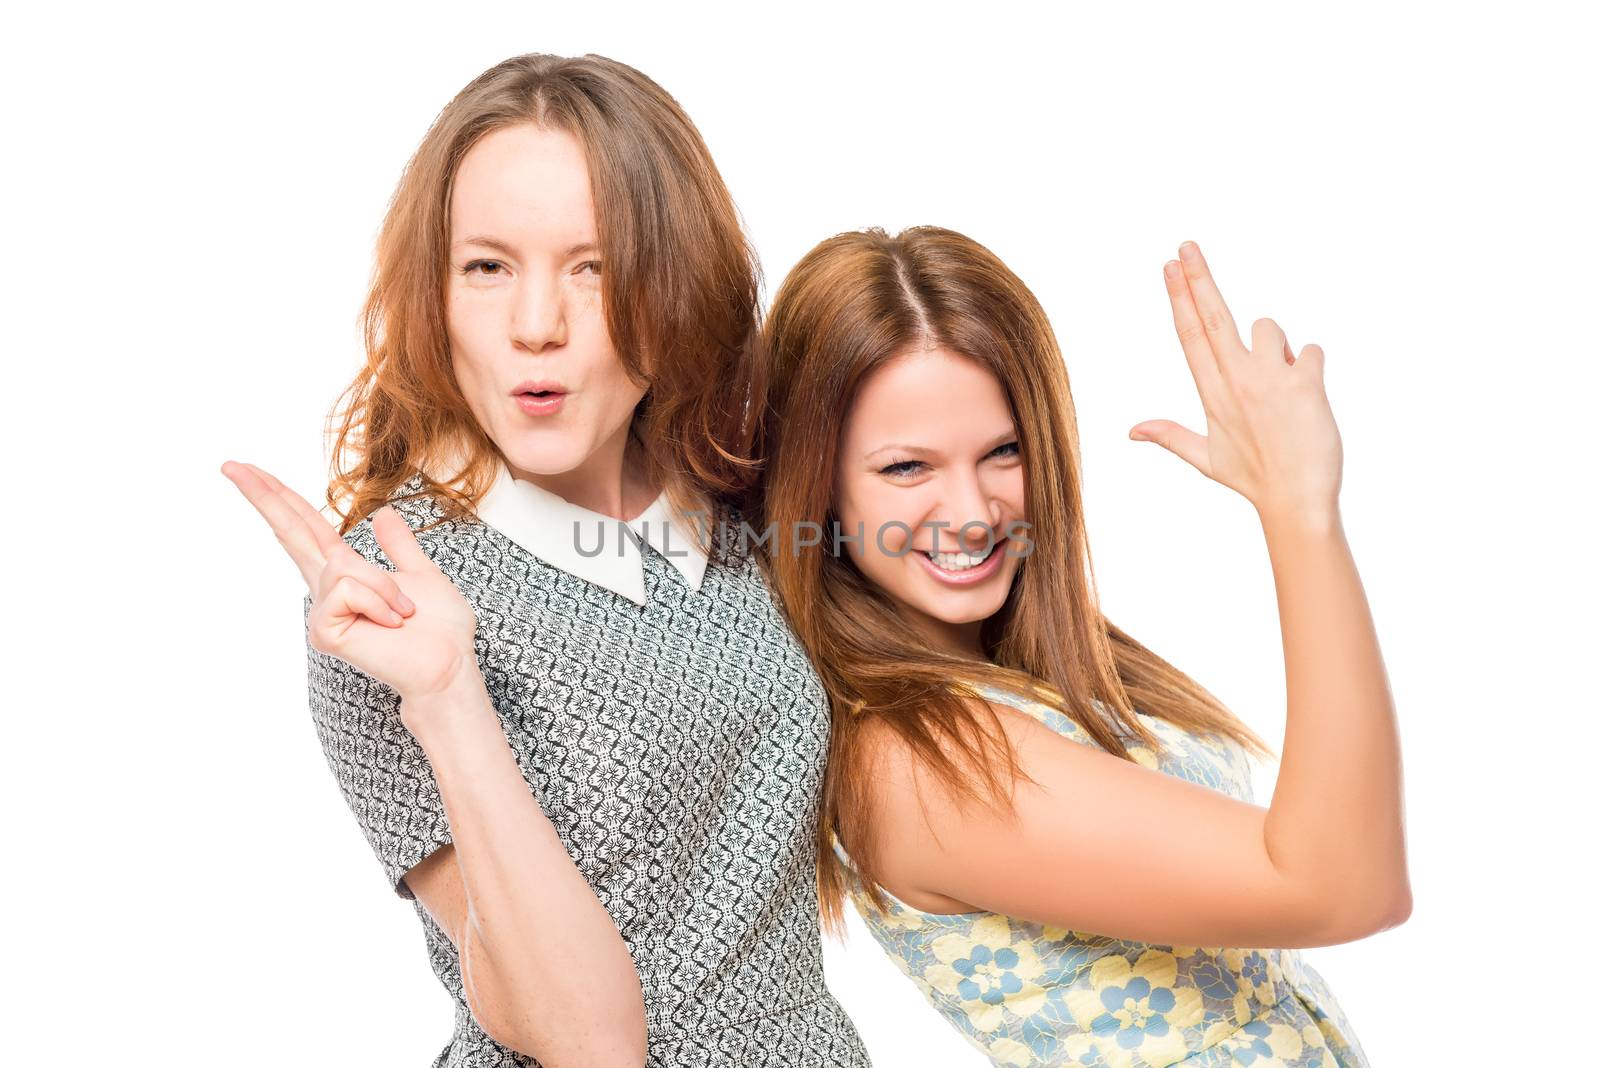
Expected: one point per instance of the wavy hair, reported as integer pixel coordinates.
(853, 303)
(680, 289)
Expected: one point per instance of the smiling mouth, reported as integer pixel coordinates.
(958, 562)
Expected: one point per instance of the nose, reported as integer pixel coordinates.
(539, 316)
(968, 504)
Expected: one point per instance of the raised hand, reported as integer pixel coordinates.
(410, 629)
(1270, 433)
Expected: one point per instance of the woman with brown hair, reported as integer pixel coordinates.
(1046, 825)
(571, 723)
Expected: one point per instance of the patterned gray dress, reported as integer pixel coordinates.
(678, 747)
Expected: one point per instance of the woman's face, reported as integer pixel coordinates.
(524, 311)
(929, 446)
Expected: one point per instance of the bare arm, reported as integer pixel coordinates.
(1107, 846)
(542, 963)
(1337, 812)
(544, 968)
(1110, 847)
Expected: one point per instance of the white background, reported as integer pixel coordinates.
(191, 200)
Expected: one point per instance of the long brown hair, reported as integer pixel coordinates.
(854, 302)
(681, 287)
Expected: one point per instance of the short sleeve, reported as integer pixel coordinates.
(381, 769)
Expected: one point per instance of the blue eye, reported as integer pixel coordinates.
(1010, 448)
(902, 467)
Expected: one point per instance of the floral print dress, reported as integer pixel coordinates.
(1029, 994)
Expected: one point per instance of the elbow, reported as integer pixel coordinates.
(625, 1046)
(1370, 918)
(1399, 910)
(592, 1044)
(621, 1047)
(502, 1034)
(559, 1024)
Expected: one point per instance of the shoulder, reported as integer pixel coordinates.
(903, 760)
(1001, 741)
(929, 790)
(1018, 707)
(424, 512)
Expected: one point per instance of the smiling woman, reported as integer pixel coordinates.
(957, 493)
(1048, 827)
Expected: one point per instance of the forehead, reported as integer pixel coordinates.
(524, 185)
(932, 397)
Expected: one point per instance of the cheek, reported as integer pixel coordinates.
(472, 375)
(621, 391)
(1016, 495)
(884, 514)
(896, 535)
(466, 327)
(896, 511)
(589, 339)
(851, 505)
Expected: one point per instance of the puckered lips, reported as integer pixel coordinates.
(539, 396)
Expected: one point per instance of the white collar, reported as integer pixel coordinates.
(560, 533)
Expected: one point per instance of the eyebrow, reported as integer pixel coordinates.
(997, 441)
(500, 246)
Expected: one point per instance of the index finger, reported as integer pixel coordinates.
(303, 538)
(1213, 311)
(1191, 334)
(326, 534)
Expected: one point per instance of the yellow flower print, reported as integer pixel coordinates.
(988, 972)
(1137, 1008)
(1010, 1053)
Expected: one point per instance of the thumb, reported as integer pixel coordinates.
(397, 541)
(1176, 439)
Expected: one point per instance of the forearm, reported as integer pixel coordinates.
(1336, 820)
(536, 941)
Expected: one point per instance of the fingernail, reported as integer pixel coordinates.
(406, 605)
(1172, 268)
(1189, 249)
(395, 617)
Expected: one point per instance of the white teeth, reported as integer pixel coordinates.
(958, 561)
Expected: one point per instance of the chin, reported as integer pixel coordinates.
(548, 457)
(954, 606)
(961, 610)
(962, 606)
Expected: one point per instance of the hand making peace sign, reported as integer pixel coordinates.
(1270, 433)
(410, 629)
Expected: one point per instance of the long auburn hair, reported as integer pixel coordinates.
(851, 304)
(680, 288)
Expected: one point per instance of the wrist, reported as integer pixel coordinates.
(461, 694)
(1300, 517)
